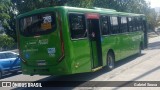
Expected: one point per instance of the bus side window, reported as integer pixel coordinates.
(123, 24)
(105, 25)
(134, 24)
(77, 25)
(114, 25)
(130, 24)
(142, 24)
(138, 22)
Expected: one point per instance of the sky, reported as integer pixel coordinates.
(154, 3)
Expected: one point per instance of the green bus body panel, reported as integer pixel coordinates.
(80, 56)
(123, 45)
(77, 53)
(37, 48)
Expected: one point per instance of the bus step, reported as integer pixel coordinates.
(95, 69)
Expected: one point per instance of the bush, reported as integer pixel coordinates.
(6, 42)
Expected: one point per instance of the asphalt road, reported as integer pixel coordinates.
(143, 68)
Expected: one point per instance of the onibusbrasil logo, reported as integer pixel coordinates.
(20, 84)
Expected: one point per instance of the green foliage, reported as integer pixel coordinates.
(28, 5)
(1, 31)
(153, 19)
(81, 3)
(6, 42)
(7, 17)
(4, 9)
(132, 6)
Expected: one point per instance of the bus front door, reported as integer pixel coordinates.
(95, 40)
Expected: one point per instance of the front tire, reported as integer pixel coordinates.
(110, 61)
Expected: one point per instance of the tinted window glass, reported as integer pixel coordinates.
(2, 56)
(11, 55)
(134, 23)
(105, 24)
(142, 24)
(123, 25)
(139, 23)
(37, 24)
(77, 26)
(130, 24)
(114, 25)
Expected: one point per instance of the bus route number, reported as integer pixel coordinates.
(47, 19)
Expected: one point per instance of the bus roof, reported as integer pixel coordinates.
(98, 10)
(84, 10)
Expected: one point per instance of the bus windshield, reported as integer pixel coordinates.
(37, 24)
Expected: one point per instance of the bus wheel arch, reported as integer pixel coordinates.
(110, 59)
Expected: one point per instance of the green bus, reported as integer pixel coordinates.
(66, 40)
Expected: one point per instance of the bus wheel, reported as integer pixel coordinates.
(110, 61)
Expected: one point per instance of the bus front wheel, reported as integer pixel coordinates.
(110, 61)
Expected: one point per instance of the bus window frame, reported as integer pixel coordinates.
(120, 18)
(114, 15)
(76, 39)
(138, 30)
(140, 26)
(110, 27)
(135, 24)
(129, 24)
(108, 23)
(143, 19)
(39, 13)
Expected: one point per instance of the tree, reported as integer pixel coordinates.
(131, 6)
(81, 3)
(153, 19)
(7, 18)
(28, 5)
(6, 42)
(1, 28)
